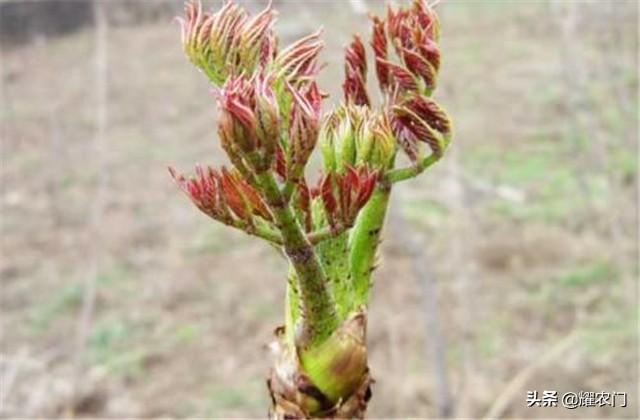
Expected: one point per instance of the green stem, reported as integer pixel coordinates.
(364, 241)
(401, 174)
(327, 232)
(263, 232)
(292, 307)
(319, 317)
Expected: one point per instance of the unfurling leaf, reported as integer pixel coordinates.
(299, 61)
(379, 45)
(420, 118)
(355, 68)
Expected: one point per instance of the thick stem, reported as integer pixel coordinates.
(329, 381)
(334, 255)
(292, 308)
(364, 241)
(318, 313)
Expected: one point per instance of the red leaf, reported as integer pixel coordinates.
(232, 195)
(299, 60)
(258, 206)
(355, 56)
(400, 75)
(367, 187)
(429, 50)
(326, 189)
(354, 88)
(379, 44)
(279, 164)
(304, 203)
(420, 66)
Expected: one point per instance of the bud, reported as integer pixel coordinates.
(237, 121)
(327, 139)
(268, 115)
(257, 41)
(205, 192)
(398, 25)
(242, 198)
(376, 143)
(303, 124)
(354, 86)
(346, 136)
(195, 27)
(338, 137)
(249, 119)
(224, 196)
(227, 43)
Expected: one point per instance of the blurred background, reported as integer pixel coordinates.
(509, 267)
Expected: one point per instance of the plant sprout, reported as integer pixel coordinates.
(329, 231)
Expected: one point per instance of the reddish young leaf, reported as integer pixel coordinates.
(304, 122)
(420, 128)
(355, 91)
(279, 164)
(404, 137)
(237, 122)
(419, 66)
(304, 204)
(299, 61)
(430, 51)
(413, 32)
(233, 197)
(355, 56)
(258, 206)
(355, 69)
(204, 191)
(429, 111)
(400, 75)
(366, 187)
(326, 189)
(379, 45)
